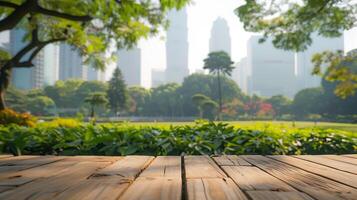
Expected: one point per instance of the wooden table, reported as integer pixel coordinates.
(177, 178)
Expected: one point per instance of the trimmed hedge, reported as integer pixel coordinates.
(203, 138)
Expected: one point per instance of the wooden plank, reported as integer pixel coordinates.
(316, 186)
(48, 188)
(264, 195)
(5, 188)
(109, 182)
(202, 167)
(331, 173)
(253, 178)
(350, 155)
(345, 159)
(164, 166)
(154, 189)
(14, 164)
(212, 189)
(5, 156)
(21, 177)
(330, 163)
(129, 167)
(230, 160)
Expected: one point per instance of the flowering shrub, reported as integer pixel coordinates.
(9, 116)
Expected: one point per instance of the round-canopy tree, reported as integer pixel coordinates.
(219, 63)
(89, 26)
(95, 99)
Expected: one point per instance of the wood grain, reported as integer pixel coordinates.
(213, 189)
(316, 186)
(48, 188)
(330, 163)
(341, 159)
(253, 178)
(109, 182)
(202, 167)
(164, 166)
(154, 189)
(230, 160)
(331, 173)
(264, 195)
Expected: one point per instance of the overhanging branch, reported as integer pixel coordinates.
(45, 11)
(8, 4)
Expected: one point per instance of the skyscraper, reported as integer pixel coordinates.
(240, 74)
(51, 64)
(273, 70)
(129, 62)
(95, 74)
(157, 77)
(26, 78)
(71, 64)
(303, 59)
(220, 38)
(177, 47)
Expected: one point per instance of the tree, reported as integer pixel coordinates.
(95, 99)
(89, 26)
(280, 104)
(219, 63)
(291, 24)
(165, 100)
(41, 106)
(207, 85)
(198, 100)
(117, 92)
(140, 96)
(308, 101)
(209, 109)
(16, 99)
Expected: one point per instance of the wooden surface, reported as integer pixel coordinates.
(228, 177)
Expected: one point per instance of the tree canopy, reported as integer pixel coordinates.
(291, 24)
(89, 26)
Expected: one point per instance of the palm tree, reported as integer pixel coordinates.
(198, 100)
(95, 99)
(219, 63)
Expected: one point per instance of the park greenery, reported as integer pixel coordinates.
(202, 138)
(291, 25)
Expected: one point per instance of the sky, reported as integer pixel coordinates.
(201, 15)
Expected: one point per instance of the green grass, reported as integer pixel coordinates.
(252, 124)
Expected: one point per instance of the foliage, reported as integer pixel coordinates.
(291, 25)
(308, 101)
(201, 138)
(60, 122)
(95, 99)
(140, 96)
(117, 92)
(219, 63)
(9, 116)
(199, 100)
(280, 104)
(41, 105)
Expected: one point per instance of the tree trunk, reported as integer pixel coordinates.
(2, 100)
(92, 112)
(219, 95)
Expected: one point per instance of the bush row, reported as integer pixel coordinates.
(203, 138)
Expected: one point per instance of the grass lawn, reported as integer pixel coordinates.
(325, 125)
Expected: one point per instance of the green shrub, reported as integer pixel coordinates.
(202, 138)
(9, 116)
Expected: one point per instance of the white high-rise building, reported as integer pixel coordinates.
(273, 70)
(177, 47)
(303, 59)
(129, 62)
(51, 64)
(71, 64)
(95, 74)
(220, 37)
(157, 77)
(240, 74)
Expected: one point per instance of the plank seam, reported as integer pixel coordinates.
(278, 177)
(184, 193)
(337, 181)
(244, 192)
